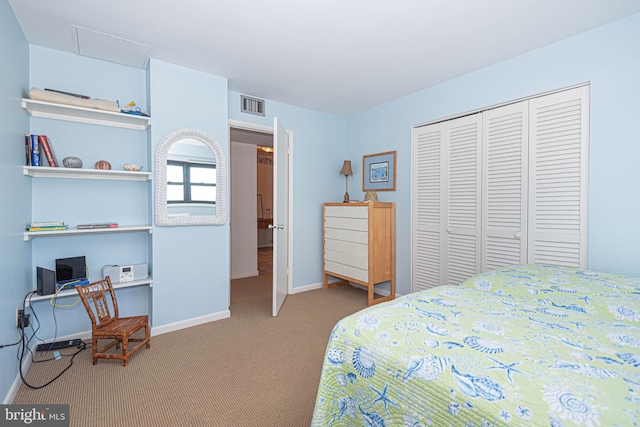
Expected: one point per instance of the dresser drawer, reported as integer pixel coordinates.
(341, 223)
(346, 211)
(361, 237)
(346, 271)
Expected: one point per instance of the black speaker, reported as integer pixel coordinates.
(46, 281)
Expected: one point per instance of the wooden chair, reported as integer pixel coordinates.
(97, 297)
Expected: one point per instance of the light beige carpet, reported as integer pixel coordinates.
(248, 370)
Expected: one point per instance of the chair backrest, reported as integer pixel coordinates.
(96, 298)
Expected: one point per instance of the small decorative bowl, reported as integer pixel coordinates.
(131, 167)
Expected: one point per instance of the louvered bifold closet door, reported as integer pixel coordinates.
(504, 186)
(558, 152)
(463, 194)
(428, 206)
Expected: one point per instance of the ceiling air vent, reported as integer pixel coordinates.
(252, 105)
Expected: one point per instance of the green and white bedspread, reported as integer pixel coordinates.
(526, 345)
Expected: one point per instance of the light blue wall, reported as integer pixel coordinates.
(318, 147)
(608, 58)
(191, 264)
(15, 190)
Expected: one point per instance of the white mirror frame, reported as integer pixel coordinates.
(162, 219)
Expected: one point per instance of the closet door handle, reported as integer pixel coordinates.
(517, 235)
(448, 230)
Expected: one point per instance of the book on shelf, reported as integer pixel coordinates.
(45, 144)
(27, 143)
(35, 151)
(97, 225)
(48, 224)
(75, 95)
(48, 228)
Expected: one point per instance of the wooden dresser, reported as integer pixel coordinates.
(359, 245)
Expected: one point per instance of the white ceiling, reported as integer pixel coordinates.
(335, 56)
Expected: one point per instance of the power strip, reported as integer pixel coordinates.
(59, 344)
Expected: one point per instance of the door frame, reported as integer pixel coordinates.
(237, 124)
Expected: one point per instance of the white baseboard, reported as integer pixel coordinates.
(244, 275)
(306, 288)
(27, 362)
(383, 292)
(159, 330)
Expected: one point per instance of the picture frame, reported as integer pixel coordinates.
(379, 171)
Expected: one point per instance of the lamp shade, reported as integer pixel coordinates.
(346, 168)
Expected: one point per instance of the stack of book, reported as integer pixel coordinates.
(35, 145)
(47, 226)
(98, 225)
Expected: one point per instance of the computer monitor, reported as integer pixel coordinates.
(71, 269)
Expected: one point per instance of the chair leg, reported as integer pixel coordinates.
(94, 349)
(146, 334)
(125, 351)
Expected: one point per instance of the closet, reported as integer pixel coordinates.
(502, 186)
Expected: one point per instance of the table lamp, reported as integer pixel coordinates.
(346, 171)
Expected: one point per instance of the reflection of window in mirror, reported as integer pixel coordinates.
(190, 182)
(191, 179)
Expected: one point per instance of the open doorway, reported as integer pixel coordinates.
(244, 205)
(264, 211)
(251, 208)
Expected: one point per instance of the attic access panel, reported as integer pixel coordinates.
(103, 46)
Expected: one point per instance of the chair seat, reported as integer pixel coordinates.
(122, 326)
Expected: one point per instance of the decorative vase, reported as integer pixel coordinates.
(103, 165)
(371, 196)
(72, 162)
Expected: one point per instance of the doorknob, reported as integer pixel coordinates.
(276, 227)
(280, 226)
(271, 226)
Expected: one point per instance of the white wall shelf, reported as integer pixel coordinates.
(33, 234)
(75, 173)
(116, 286)
(49, 110)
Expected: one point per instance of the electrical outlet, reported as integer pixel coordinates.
(22, 320)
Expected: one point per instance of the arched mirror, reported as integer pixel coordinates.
(190, 180)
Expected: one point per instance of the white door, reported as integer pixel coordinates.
(558, 175)
(504, 186)
(461, 180)
(280, 226)
(447, 191)
(428, 149)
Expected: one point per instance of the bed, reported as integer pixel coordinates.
(525, 345)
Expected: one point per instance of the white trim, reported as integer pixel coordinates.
(184, 324)
(290, 215)
(383, 292)
(250, 126)
(245, 275)
(305, 288)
